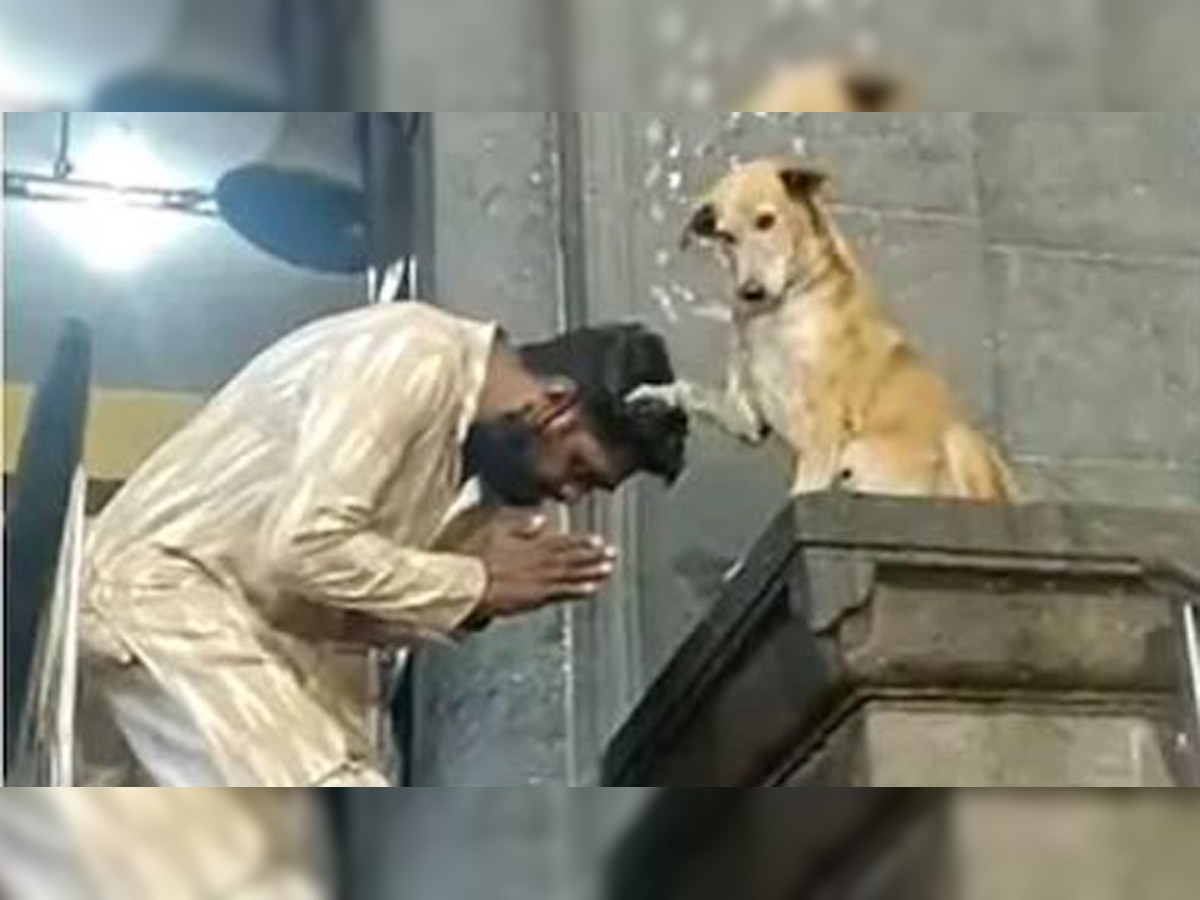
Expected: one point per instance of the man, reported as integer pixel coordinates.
(242, 580)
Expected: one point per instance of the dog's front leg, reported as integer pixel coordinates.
(730, 409)
(820, 464)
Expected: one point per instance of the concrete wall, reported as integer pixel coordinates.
(506, 843)
(1077, 54)
(493, 713)
(700, 54)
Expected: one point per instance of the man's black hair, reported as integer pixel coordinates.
(606, 363)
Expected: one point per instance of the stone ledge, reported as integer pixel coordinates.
(848, 599)
(910, 845)
(909, 743)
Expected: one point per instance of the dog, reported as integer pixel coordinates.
(833, 86)
(816, 361)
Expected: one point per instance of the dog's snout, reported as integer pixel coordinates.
(753, 291)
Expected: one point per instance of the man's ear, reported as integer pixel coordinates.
(702, 225)
(803, 180)
(559, 394)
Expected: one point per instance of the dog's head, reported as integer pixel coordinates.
(766, 221)
(834, 86)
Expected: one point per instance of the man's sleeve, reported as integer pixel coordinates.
(369, 429)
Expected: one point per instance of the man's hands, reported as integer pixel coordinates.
(529, 566)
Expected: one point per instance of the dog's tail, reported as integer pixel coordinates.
(976, 469)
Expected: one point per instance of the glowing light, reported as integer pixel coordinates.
(111, 232)
(109, 235)
(121, 157)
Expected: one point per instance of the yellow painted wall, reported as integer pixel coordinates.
(124, 427)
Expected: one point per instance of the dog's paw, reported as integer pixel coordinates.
(673, 395)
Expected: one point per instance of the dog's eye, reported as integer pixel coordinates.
(765, 221)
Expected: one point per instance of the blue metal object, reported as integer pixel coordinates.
(307, 219)
(41, 491)
(46, 749)
(326, 225)
(155, 92)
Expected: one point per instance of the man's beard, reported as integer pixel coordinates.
(502, 453)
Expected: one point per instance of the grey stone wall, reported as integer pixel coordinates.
(492, 713)
(701, 54)
(1018, 55)
(506, 844)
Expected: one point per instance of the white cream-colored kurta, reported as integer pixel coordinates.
(255, 560)
(137, 844)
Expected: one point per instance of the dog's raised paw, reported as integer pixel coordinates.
(669, 394)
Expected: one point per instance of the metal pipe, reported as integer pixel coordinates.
(1191, 638)
(69, 598)
(1184, 584)
(31, 186)
(62, 159)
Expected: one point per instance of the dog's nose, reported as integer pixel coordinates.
(753, 292)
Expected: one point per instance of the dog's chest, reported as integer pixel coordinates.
(780, 357)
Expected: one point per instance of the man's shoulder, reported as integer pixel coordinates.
(392, 337)
(409, 317)
(433, 320)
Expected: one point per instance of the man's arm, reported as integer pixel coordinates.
(359, 434)
(366, 431)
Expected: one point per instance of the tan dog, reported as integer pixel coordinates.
(833, 86)
(816, 361)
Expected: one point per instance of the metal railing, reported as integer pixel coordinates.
(1183, 584)
(46, 744)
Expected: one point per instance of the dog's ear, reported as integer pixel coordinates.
(874, 90)
(803, 180)
(703, 225)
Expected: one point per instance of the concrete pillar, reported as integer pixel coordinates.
(492, 713)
